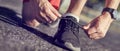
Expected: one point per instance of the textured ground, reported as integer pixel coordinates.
(17, 37)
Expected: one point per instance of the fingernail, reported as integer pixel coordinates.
(85, 27)
(59, 15)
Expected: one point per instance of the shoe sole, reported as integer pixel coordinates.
(70, 46)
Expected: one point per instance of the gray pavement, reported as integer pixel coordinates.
(14, 36)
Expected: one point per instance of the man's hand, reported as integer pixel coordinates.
(46, 11)
(35, 11)
(98, 27)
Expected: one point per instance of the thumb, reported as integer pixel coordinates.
(86, 26)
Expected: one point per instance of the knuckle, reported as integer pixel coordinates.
(102, 35)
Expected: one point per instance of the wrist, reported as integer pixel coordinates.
(110, 11)
(107, 15)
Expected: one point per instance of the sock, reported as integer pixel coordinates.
(70, 14)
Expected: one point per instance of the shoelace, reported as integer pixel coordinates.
(81, 26)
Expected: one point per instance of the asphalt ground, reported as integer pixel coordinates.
(15, 36)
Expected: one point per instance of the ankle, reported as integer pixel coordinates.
(70, 14)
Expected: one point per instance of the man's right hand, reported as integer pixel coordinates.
(99, 26)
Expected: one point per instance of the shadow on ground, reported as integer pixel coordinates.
(9, 16)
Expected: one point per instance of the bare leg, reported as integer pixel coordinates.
(76, 7)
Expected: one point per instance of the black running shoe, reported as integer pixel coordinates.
(68, 33)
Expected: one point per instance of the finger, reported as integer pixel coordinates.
(50, 14)
(96, 35)
(102, 35)
(42, 17)
(92, 30)
(97, 38)
(45, 17)
(93, 35)
(55, 12)
(86, 26)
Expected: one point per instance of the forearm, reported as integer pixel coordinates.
(112, 3)
(76, 6)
